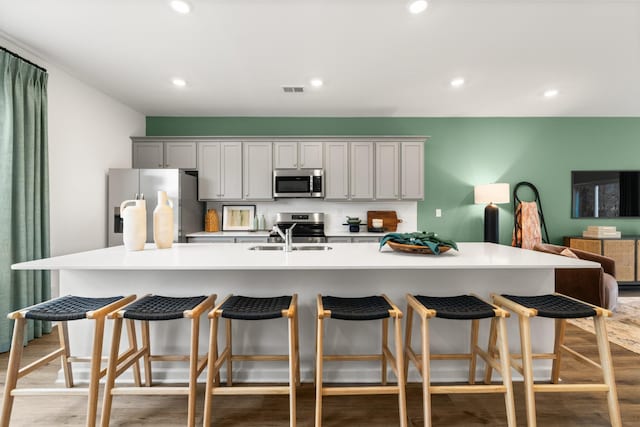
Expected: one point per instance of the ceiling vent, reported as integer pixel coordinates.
(293, 89)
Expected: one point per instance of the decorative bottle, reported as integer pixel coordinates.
(134, 224)
(163, 222)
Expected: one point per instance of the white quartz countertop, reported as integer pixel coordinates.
(363, 256)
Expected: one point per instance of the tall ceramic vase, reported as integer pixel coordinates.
(163, 222)
(134, 227)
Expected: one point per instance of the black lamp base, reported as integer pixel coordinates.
(491, 224)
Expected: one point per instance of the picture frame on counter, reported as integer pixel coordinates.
(238, 217)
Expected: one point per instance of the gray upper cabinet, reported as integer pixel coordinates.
(362, 171)
(336, 172)
(257, 166)
(160, 154)
(220, 170)
(412, 170)
(387, 174)
(298, 155)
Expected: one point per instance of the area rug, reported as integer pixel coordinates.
(623, 327)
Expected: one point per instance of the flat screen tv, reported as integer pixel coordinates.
(605, 194)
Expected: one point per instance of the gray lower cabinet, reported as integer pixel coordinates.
(353, 239)
(202, 239)
(338, 239)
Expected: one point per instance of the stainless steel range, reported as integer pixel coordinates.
(309, 227)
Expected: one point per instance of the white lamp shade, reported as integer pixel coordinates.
(491, 193)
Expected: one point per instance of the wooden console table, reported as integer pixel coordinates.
(625, 251)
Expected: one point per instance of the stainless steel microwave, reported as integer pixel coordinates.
(298, 183)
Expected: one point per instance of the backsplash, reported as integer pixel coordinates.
(335, 212)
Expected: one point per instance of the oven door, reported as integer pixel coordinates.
(288, 185)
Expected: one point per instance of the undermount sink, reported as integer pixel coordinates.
(312, 248)
(295, 248)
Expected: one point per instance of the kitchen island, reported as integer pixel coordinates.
(346, 270)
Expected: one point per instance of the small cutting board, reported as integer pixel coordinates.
(389, 219)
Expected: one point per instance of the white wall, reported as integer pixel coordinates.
(88, 134)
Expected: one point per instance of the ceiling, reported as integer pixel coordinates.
(375, 58)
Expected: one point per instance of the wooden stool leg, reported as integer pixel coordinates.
(230, 355)
(146, 344)
(505, 364)
(319, 360)
(527, 366)
(426, 373)
(557, 347)
(12, 370)
(133, 345)
(111, 372)
(491, 349)
(212, 372)
(402, 398)
(607, 370)
(193, 371)
(292, 372)
(96, 364)
(407, 340)
(63, 334)
(475, 324)
(297, 349)
(385, 344)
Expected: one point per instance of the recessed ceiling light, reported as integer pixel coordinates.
(418, 6)
(457, 82)
(316, 82)
(550, 93)
(179, 82)
(180, 6)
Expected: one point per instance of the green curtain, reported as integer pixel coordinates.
(24, 191)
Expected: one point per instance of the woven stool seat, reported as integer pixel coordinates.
(68, 307)
(465, 307)
(157, 307)
(248, 308)
(363, 308)
(554, 306)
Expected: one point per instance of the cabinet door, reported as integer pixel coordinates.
(387, 175)
(588, 245)
(231, 170)
(623, 252)
(361, 183)
(257, 179)
(180, 155)
(412, 171)
(147, 155)
(365, 239)
(209, 171)
(286, 155)
(336, 174)
(338, 239)
(310, 154)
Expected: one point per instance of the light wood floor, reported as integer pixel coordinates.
(372, 411)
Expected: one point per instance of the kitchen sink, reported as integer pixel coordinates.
(312, 248)
(295, 248)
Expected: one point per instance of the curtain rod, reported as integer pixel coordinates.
(23, 58)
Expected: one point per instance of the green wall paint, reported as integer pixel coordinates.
(462, 152)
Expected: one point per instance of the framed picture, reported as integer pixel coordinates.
(238, 217)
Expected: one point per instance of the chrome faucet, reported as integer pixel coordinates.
(286, 236)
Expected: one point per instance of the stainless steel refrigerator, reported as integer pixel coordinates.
(181, 187)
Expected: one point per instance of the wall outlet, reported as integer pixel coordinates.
(438, 213)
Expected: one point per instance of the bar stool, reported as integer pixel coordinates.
(248, 308)
(363, 308)
(462, 307)
(156, 308)
(61, 310)
(560, 308)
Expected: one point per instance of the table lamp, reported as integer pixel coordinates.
(491, 194)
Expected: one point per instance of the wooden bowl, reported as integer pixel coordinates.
(414, 249)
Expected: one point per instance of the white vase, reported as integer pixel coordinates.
(163, 222)
(134, 224)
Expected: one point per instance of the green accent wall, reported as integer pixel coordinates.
(462, 152)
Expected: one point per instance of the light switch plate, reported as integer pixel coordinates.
(438, 213)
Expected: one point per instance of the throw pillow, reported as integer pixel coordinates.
(568, 253)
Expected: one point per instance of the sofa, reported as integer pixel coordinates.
(595, 286)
